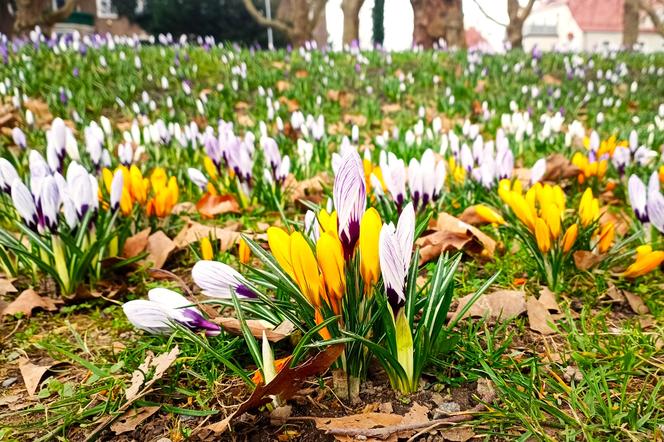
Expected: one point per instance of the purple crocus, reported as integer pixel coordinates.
(350, 200)
(395, 249)
(24, 204)
(638, 198)
(7, 175)
(164, 307)
(19, 138)
(219, 280)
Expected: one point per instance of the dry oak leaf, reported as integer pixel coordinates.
(457, 434)
(257, 328)
(159, 363)
(159, 248)
(559, 167)
(585, 259)
(548, 299)
(538, 316)
(501, 304)
(359, 119)
(636, 303)
(209, 206)
(136, 244)
(453, 234)
(6, 286)
(33, 374)
(29, 300)
(132, 419)
(374, 426)
(286, 383)
(310, 189)
(193, 232)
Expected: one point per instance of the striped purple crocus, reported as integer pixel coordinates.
(164, 307)
(7, 175)
(638, 198)
(395, 249)
(25, 204)
(350, 200)
(219, 280)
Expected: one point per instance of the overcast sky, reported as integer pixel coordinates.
(399, 22)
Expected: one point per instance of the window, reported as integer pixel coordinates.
(105, 9)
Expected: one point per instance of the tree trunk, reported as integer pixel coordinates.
(31, 13)
(6, 19)
(378, 18)
(438, 19)
(351, 10)
(630, 24)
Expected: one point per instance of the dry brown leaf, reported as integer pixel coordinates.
(29, 300)
(258, 327)
(159, 248)
(160, 364)
(193, 232)
(135, 245)
(359, 119)
(33, 374)
(6, 286)
(301, 74)
(501, 304)
(282, 85)
(209, 206)
(636, 303)
(559, 167)
(548, 299)
(457, 434)
(286, 383)
(310, 189)
(132, 419)
(615, 293)
(185, 207)
(585, 260)
(538, 316)
(453, 234)
(390, 108)
(386, 425)
(550, 80)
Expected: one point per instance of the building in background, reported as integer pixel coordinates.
(585, 25)
(97, 16)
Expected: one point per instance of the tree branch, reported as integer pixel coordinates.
(657, 23)
(60, 14)
(264, 21)
(319, 7)
(525, 12)
(486, 14)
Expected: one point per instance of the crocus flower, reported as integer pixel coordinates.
(305, 268)
(164, 307)
(569, 238)
(349, 200)
(656, 209)
(24, 204)
(638, 198)
(117, 188)
(370, 227)
(7, 175)
(329, 254)
(537, 171)
(395, 251)
(646, 261)
(218, 280)
(19, 138)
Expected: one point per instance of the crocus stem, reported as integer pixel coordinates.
(60, 262)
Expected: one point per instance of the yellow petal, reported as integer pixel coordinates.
(305, 268)
(542, 235)
(489, 215)
(370, 226)
(330, 256)
(280, 246)
(569, 238)
(206, 249)
(644, 264)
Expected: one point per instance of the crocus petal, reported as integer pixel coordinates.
(656, 210)
(148, 316)
(391, 265)
(350, 199)
(280, 246)
(7, 175)
(538, 170)
(305, 268)
(638, 197)
(218, 280)
(117, 186)
(24, 203)
(406, 231)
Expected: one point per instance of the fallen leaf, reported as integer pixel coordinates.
(132, 419)
(135, 245)
(286, 383)
(209, 206)
(280, 415)
(501, 304)
(453, 234)
(636, 303)
(559, 167)
(390, 108)
(33, 374)
(615, 293)
(160, 364)
(184, 207)
(550, 80)
(457, 434)
(6, 287)
(548, 299)
(159, 247)
(538, 316)
(282, 85)
(585, 260)
(193, 232)
(374, 426)
(310, 189)
(486, 390)
(29, 300)
(258, 327)
(360, 120)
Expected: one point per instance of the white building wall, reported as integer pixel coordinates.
(561, 18)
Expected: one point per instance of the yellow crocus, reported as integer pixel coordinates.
(243, 251)
(305, 268)
(645, 263)
(522, 210)
(206, 249)
(505, 190)
(107, 177)
(137, 185)
(551, 215)
(210, 168)
(606, 236)
(542, 235)
(643, 251)
(588, 208)
(559, 197)
(158, 179)
(328, 222)
(569, 238)
(126, 204)
(280, 246)
(489, 215)
(330, 257)
(370, 226)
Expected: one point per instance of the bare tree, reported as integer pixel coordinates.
(351, 10)
(517, 16)
(31, 13)
(653, 9)
(630, 23)
(299, 27)
(6, 17)
(438, 19)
